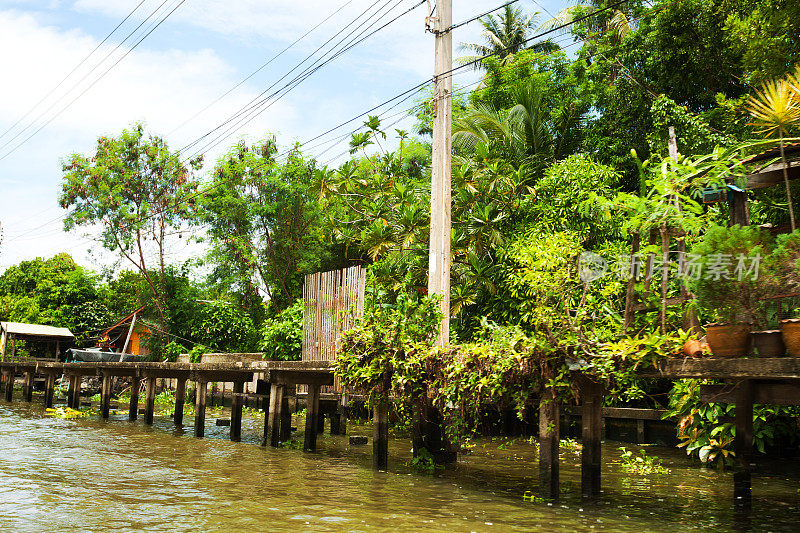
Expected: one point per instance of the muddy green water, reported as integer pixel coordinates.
(93, 475)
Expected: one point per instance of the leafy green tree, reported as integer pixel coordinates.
(57, 292)
(223, 326)
(282, 336)
(134, 194)
(263, 224)
(504, 35)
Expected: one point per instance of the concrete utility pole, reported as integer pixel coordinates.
(439, 259)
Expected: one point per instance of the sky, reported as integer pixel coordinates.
(202, 50)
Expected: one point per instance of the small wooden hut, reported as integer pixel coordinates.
(10, 332)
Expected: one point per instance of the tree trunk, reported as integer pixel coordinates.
(786, 180)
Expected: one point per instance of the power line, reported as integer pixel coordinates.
(71, 72)
(250, 104)
(253, 110)
(131, 49)
(476, 17)
(262, 67)
(400, 95)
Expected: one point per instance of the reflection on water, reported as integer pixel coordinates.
(93, 475)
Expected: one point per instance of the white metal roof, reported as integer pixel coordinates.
(35, 330)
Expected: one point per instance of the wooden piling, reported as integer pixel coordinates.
(288, 406)
(380, 434)
(320, 422)
(548, 448)
(105, 395)
(592, 415)
(9, 391)
(49, 389)
(150, 400)
(335, 423)
(272, 418)
(200, 409)
(74, 392)
(27, 391)
(133, 408)
(180, 400)
(743, 447)
(236, 411)
(312, 418)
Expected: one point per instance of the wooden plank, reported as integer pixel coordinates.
(772, 393)
(292, 377)
(710, 368)
(548, 449)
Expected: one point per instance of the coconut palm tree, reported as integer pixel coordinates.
(776, 110)
(504, 36)
(527, 135)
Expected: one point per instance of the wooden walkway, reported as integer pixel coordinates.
(746, 381)
(280, 374)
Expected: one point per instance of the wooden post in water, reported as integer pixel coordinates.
(380, 434)
(133, 407)
(289, 401)
(236, 411)
(150, 399)
(74, 392)
(105, 395)
(548, 448)
(272, 418)
(9, 384)
(312, 418)
(27, 391)
(200, 409)
(592, 415)
(743, 446)
(49, 389)
(180, 399)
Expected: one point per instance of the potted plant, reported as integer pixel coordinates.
(729, 286)
(784, 266)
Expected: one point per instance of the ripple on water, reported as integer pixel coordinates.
(93, 475)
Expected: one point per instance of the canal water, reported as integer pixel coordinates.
(93, 475)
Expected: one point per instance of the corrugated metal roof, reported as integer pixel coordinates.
(35, 330)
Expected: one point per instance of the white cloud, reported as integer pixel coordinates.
(160, 87)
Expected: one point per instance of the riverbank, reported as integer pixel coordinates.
(91, 475)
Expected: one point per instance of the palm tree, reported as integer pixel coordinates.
(527, 135)
(504, 35)
(776, 109)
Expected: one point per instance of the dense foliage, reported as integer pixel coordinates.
(561, 162)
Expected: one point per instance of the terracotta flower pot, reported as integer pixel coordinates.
(791, 336)
(729, 340)
(769, 343)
